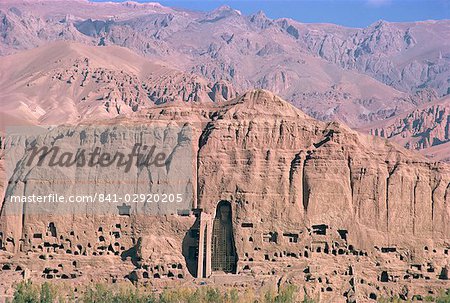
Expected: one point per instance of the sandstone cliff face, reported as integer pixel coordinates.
(96, 234)
(326, 174)
(312, 203)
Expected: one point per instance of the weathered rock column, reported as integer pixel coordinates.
(209, 230)
(204, 247)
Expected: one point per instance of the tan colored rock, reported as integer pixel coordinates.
(67, 82)
(276, 196)
(426, 128)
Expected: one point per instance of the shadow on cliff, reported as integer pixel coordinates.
(134, 254)
(190, 247)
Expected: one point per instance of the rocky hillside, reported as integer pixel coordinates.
(427, 128)
(284, 56)
(407, 56)
(68, 82)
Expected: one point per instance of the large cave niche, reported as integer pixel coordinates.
(224, 257)
(190, 247)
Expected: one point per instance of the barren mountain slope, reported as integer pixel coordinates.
(408, 56)
(68, 82)
(87, 9)
(26, 24)
(235, 48)
(225, 46)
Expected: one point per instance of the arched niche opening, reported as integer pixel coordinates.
(224, 257)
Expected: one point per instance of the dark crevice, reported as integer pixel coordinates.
(414, 201)
(327, 138)
(295, 163)
(446, 193)
(447, 129)
(305, 186)
(391, 172)
(205, 134)
(433, 191)
(349, 164)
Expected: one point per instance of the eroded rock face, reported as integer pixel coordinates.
(343, 214)
(326, 174)
(68, 83)
(427, 128)
(372, 73)
(407, 56)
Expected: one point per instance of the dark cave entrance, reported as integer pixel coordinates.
(224, 256)
(384, 277)
(190, 247)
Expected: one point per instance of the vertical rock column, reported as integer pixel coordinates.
(204, 246)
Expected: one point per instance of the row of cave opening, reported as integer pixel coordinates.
(223, 251)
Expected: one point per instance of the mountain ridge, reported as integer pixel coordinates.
(66, 82)
(425, 129)
(285, 51)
